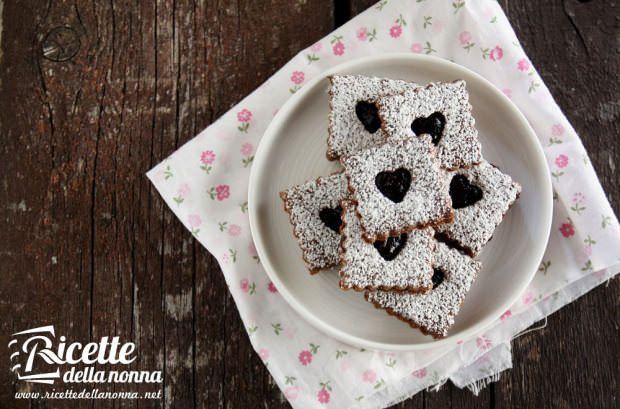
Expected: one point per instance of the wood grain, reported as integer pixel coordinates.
(574, 361)
(88, 246)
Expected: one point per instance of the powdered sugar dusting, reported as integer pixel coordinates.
(427, 201)
(434, 312)
(474, 225)
(347, 135)
(319, 244)
(459, 145)
(362, 267)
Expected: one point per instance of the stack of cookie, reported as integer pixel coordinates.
(415, 204)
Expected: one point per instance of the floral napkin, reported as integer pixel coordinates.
(205, 184)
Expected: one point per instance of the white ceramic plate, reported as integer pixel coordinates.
(293, 151)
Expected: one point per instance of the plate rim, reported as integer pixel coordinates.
(312, 319)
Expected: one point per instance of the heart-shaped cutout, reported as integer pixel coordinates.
(389, 249)
(432, 125)
(463, 192)
(394, 185)
(438, 276)
(331, 217)
(368, 114)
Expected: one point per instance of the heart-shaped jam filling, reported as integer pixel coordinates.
(331, 217)
(394, 185)
(368, 114)
(463, 192)
(432, 125)
(389, 249)
(438, 276)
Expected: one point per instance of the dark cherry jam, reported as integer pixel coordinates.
(390, 248)
(394, 184)
(432, 125)
(331, 217)
(368, 114)
(463, 192)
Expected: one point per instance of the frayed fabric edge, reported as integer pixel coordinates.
(478, 385)
(475, 387)
(437, 386)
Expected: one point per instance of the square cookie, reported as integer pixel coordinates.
(433, 313)
(398, 187)
(314, 211)
(402, 263)
(441, 110)
(481, 196)
(353, 119)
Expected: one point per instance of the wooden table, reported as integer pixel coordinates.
(94, 93)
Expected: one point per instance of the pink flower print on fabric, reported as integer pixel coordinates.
(416, 48)
(506, 315)
(567, 229)
(222, 192)
(263, 354)
(323, 396)
(483, 342)
(338, 48)
(183, 191)
(497, 53)
(245, 115)
(465, 37)
(397, 28)
(252, 249)
(523, 65)
(369, 376)
(579, 198)
(234, 230)
(557, 130)
(337, 45)
(244, 285)
(305, 357)
(247, 148)
(207, 157)
(420, 373)
(291, 392)
(561, 161)
(362, 33)
(298, 77)
(194, 222)
(395, 31)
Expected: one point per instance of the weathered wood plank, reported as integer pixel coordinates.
(146, 78)
(243, 38)
(55, 175)
(574, 361)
